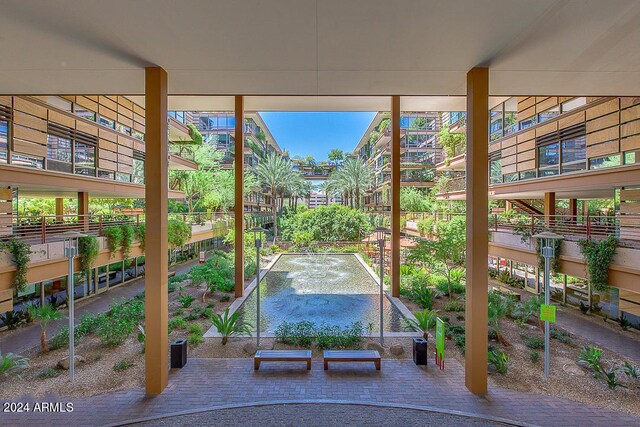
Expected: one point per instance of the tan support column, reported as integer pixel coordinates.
(477, 253)
(549, 207)
(156, 248)
(59, 209)
(573, 209)
(83, 210)
(239, 199)
(395, 196)
(507, 205)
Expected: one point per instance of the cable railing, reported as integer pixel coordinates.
(48, 228)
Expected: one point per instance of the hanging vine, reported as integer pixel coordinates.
(598, 256)
(21, 255)
(126, 240)
(114, 238)
(88, 250)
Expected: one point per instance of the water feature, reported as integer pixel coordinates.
(335, 289)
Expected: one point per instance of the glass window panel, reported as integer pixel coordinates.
(4, 135)
(123, 177)
(58, 154)
(22, 160)
(573, 103)
(495, 127)
(138, 171)
(106, 122)
(574, 149)
(85, 159)
(106, 174)
(605, 162)
(527, 174)
(548, 114)
(631, 157)
(528, 122)
(548, 155)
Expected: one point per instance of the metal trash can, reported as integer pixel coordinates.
(420, 352)
(178, 354)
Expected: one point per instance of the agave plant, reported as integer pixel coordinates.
(229, 326)
(11, 364)
(424, 321)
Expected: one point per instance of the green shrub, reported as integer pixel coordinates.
(120, 321)
(177, 323)
(327, 223)
(560, 335)
(301, 333)
(122, 365)
(12, 364)
(454, 305)
(499, 360)
(534, 356)
(453, 328)
(195, 328)
(141, 234)
(425, 226)
(630, 370)
(533, 342)
(195, 339)
(333, 336)
(126, 240)
(50, 373)
(229, 326)
(460, 342)
(610, 376)
(591, 357)
(225, 298)
(186, 300)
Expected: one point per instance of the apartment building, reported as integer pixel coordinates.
(419, 154)
(571, 164)
(81, 147)
(218, 128)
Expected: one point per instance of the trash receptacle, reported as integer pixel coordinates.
(178, 354)
(420, 353)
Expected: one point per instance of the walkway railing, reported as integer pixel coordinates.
(48, 228)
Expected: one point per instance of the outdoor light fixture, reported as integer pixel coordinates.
(381, 232)
(71, 250)
(257, 231)
(547, 251)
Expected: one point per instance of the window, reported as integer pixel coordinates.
(510, 121)
(58, 154)
(495, 123)
(605, 162)
(527, 174)
(84, 113)
(123, 129)
(85, 159)
(527, 123)
(137, 135)
(106, 174)
(511, 177)
(631, 157)
(574, 154)
(495, 171)
(106, 122)
(573, 104)
(548, 159)
(138, 171)
(548, 114)
(22, 160)
(60, 103)
(123, 177)
(4, 138)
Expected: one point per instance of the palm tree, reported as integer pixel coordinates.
(352, 180)
(229, 326)
(423, 322)
(275, 173)
(45, 314)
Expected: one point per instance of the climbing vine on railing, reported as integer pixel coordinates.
(141, 233)
(598, 256)
(21, 255)
(127, 239)
(88, 250)
(114, 238)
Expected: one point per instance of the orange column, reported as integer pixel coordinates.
(83, 209)
(395, 196)
(477, 225)
(573, 209)
(59, 209)
(549, 207)
(239, 197)
(156, 248)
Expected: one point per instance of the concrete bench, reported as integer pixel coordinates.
(351, 356)
(282, 356)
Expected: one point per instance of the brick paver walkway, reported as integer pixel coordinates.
(27, 337)
(209, 383)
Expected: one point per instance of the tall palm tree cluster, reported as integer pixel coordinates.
(277, 175)
(350, 182)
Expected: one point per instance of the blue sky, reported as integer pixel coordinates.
(316, 133)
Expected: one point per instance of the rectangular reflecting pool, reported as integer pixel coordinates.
(335, 289)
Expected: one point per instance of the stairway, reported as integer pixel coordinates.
(526, 206)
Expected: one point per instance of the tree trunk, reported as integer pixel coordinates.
(275, 216)
(43, 341)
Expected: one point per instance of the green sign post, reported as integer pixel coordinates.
(440, 343)
(548, 313)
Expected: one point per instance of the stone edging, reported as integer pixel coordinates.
(331, 402)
